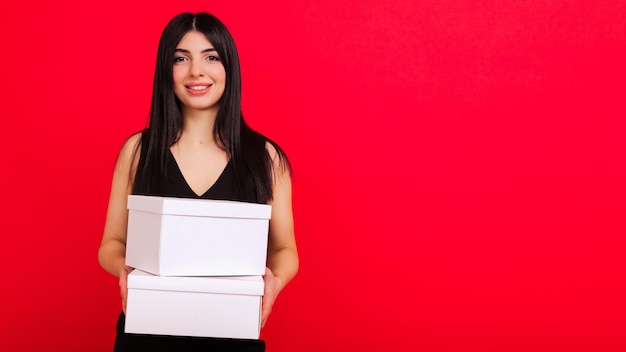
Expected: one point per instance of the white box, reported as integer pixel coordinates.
(227, 307)
(196, 237)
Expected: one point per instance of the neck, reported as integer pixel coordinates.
(198, 126)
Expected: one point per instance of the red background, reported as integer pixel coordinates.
(459, 167)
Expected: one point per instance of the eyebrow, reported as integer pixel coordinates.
(185, 51)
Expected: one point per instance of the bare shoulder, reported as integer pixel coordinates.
(279, 159)
(129, 151)
(130, 147)
(271, 150)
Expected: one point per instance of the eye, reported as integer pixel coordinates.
(179, 59)
(213, 58)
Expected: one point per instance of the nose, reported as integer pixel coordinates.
(196, 68)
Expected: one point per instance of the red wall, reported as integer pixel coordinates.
(459, 167)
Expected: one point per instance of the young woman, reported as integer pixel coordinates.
(198, 145)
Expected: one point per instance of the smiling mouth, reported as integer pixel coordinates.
(197, 87)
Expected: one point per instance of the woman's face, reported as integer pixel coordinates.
(199, 76)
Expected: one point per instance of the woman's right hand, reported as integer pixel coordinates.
(124, 284)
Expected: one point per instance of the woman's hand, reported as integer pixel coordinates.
(272, 284)
(124, 284)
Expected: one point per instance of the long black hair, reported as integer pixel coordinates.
(252, 164)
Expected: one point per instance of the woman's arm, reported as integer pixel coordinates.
(112, 252)
(282, 253)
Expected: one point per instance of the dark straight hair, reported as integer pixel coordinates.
(246, 148)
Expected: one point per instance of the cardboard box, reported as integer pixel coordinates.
(227, 307)
(196, 237)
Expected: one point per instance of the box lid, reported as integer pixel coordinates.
(199, 207)
(241, 285)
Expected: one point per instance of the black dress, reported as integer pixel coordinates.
(176, 186)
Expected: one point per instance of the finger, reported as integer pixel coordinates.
(124, 287)
(263, 316)
(268, 295)
(266, 308)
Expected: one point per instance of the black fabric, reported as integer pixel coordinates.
(223, 188)
(176, 186)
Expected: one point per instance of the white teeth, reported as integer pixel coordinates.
(198, 87)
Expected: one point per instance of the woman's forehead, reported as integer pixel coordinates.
(194, 40)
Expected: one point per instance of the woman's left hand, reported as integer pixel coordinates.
(269, 296)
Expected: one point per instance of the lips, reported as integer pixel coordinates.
(197, 88)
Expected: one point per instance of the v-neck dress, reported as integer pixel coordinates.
(177, 186)
(222, 189)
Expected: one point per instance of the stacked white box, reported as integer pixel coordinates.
(196, 237)
(194, 306)
(198, 266)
